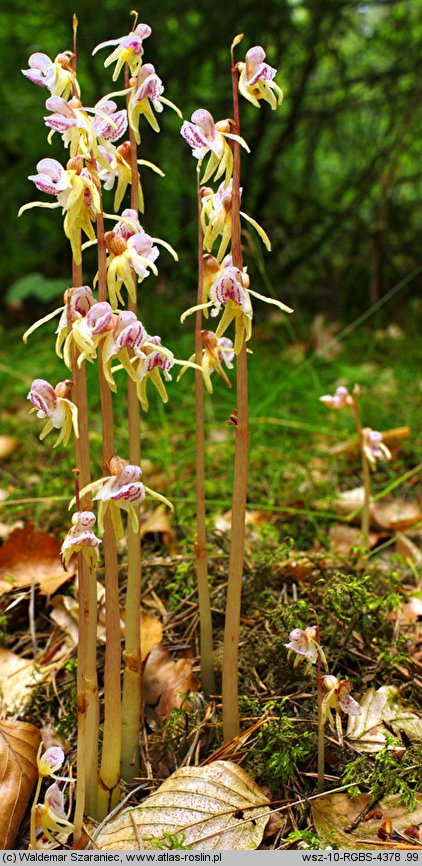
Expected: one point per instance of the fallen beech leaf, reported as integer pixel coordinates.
(223, 522)
(346, 538)
(397, 514)
(32, 555)
(165, 681)
(18, 678)
(18, 774)
(7, 528)
(382, 707)
(65, 612)
(206, 807)
(347, 501)
(159, 522)
(333, 813)
(8, 445)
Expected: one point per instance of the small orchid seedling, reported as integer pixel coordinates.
(304, 643)
(50, 815)
(372, 447)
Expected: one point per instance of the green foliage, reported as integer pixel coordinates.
(67, 721)
(36, 286)
(386, 773)
(170, 841)
(283, 747)
(358, 599)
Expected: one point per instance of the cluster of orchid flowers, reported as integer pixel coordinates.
(91, 135)
(337, 699)
(372, 444)
(49, 816)
(227, 287)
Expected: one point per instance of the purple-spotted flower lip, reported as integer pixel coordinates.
(81, 538)
(53, 406)
(230, 286)
(99, 318)
(125, 230)
(302, 642)
(148, 85)
(201, 133)
(50, 815)
(115, 127)
(50, 761)
(128, 331)
(51, 177)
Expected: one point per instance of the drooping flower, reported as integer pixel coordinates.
(256, 81)
(336, 700)
(74, 124)
(57, 76)
(129, 49)
(205, 136)
(232, 291)
(78, 300)
(89, 330)
(215, 353)
(50, 815)
(303, 643)
(128, 333)
(147, 90)
(109, 124)
(76, 194)
(53, 404)
(129, 262)
(373, 446)
(152, 358)
(81, 538)
(338, 400)
(216, 219)
(120, 491)
(50, 761)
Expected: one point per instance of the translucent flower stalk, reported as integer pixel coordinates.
(371, 446)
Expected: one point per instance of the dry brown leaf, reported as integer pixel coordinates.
(218, 806)
(18, 678)
(18, 774)
(32, 555)
(346, 538)
(397, 514)
(382, 711)
(334, 812)
(223, 522)
(165, 682)
(347, 501)
(65, 614)
(8, 445)
(159, 522)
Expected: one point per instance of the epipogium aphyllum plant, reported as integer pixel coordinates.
(92, 330)
(225, 284)
(371, 446)
(333, 695)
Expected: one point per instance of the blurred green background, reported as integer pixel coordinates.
(334, 176)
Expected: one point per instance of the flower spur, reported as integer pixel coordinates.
(52, 404)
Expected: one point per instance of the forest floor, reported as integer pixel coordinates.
(305, 564)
